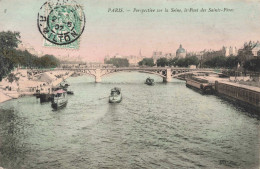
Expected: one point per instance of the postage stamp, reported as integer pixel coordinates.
(61, 23)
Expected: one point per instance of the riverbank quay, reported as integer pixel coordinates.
(4, 97)
(236, 90)
(28, 85)
(247, 95)
(203, 84)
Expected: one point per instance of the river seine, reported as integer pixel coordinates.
(163, 126)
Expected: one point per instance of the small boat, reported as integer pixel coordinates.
(70, 92)
(115, 95)
(45, 97)
(59, 99)
(64, 85)
(149, 81)
(38, 93)
(56, 88)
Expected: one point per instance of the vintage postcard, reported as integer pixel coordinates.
(124, 84)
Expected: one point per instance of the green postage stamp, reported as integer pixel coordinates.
(61, 23)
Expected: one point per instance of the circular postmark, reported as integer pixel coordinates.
(61, 22)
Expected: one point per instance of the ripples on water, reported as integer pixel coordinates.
(161, 126)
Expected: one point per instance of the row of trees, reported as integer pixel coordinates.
(221, 62)
(10, 57)
(26, 59)
(181, 62)
(212, 62)
(118, 62)
(210, 59)
(245, 59)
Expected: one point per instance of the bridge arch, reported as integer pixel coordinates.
(141, 71)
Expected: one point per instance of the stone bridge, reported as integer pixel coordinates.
(165, 72)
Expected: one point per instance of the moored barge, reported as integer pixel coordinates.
(200, 83)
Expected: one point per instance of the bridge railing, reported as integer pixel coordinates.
(128, 68)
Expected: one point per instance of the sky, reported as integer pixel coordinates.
(108, 33)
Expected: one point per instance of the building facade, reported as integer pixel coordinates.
(227, 51)
(157, 55)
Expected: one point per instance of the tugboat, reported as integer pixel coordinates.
(59, 99)
(149, 81)
(115, 95)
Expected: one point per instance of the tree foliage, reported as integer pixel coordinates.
(247, 59)
(5, 66)
(26, 59)
(193, 60)
(48, 61)
(232, 62)
(146, 62)
(162, 62)
(216, 62)
(8, 41)
(253, 65)
(245, 53)
(181, 62)
(118, 62)
(173, 61)
(11, 57)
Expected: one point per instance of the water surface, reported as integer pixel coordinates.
(161, 126)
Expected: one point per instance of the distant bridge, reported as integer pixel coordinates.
(165, 72)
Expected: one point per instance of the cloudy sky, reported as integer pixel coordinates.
(126, 33)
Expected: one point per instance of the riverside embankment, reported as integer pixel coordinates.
(230, 88)
(4, 97)
(239, 92)
(26, 84)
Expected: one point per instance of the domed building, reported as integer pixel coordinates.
(181, 52)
